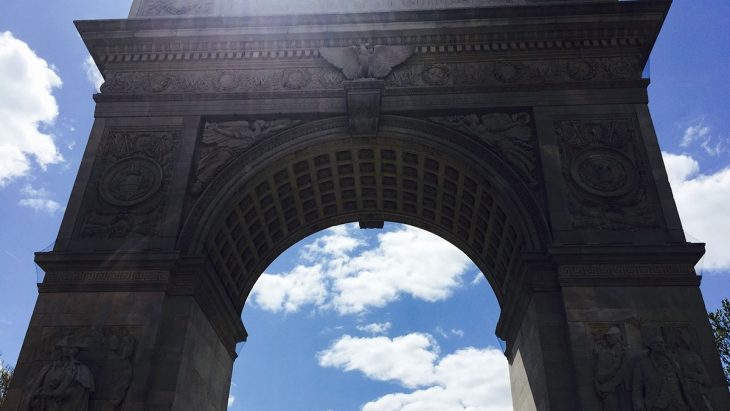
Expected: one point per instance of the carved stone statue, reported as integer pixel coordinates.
(609, 359)
(658, 383)
(63, 385)
(365, 61)
(693, 368)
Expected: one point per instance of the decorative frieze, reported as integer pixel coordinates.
(128, 188)
(619, 270)
(485, 74)
(608, 186)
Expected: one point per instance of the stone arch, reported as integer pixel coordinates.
(415, 172)
(572, 273)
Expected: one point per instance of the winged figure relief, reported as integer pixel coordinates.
(365, 61)
(223, 142)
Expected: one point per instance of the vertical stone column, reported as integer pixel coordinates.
(626, 275)
(533, 323)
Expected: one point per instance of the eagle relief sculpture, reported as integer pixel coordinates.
(365, 61)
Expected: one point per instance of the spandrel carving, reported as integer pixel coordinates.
(222, 142)
(608, 186)
(509, 135)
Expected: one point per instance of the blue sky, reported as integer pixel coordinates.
(314, 339)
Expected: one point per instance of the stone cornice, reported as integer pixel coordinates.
(628, 265)
(628, 27)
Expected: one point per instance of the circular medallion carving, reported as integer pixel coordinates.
(157, 83)
(227, 81)
(295, 79)
(622, 68)
(581, 70)
(131, 181)
(604, 173)
(507, 72)
(436, 75)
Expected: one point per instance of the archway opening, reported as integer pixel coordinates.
(313, 176)
(375, 320)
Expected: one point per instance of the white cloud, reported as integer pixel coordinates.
(26, 105)
(92, 73)
(469, 379)
(695, 132)
(231, 400)
(701, 133)
(702, 201)
(42, 205)
(37, 199)
(406, 359)
(288, 292)
(338, 242)
(376, 328)
(407, 261)
(457, 332)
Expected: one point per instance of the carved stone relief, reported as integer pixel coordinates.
(697, 380)
(128, 186)
(365, 61)
(505, 72)
(607, 184)
(64, 384)
(84, 366)
(223, 141)
(640, 367)
(363, 106)
(177, 7)
(509, 135)
(490, 73)
(609, 362)
(226, 81)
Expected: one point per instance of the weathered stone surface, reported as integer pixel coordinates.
(519, 134)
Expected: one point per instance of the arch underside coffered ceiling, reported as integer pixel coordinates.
(416, 171)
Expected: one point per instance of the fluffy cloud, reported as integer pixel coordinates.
(37, 199)
(231, 400)
(406, 359)
(407, 261)
(288, 292)
(92, 73)
(702, 201)
(26, 105)
(469, 379)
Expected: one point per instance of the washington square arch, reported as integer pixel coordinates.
(228, 130)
